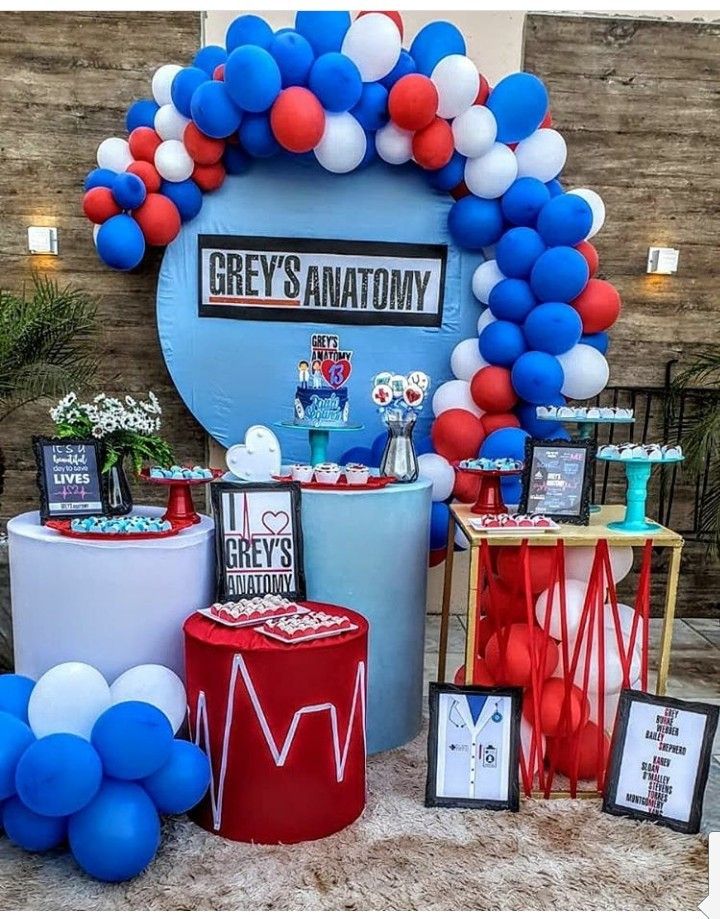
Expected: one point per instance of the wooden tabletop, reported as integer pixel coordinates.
(571, 534)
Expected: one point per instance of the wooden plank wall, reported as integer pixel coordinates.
(66, 80)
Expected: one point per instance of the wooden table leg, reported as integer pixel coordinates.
(668, 619)
(471, 614)
(447, 592)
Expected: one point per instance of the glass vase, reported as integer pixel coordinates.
(399, 458)
(118, 489)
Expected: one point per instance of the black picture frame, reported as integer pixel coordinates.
(580, 512)
(619, 751)
(225, 513)
(40, 447)
(432, 797)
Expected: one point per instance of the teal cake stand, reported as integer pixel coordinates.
(319, 437)
(638, 472)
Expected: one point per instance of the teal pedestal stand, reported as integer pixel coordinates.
(319, 438)
(638, 472)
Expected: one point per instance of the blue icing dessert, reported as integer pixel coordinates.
(321, 407)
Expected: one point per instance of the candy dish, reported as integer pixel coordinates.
(373, 483)
(128, 528)
(503, 464)
(180, 508)
(512, 523)
(489, 499)
(251, 610)
(305, 626)
(179, 472)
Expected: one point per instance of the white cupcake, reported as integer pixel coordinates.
(327, 473)
(357, 474)
(301, 472)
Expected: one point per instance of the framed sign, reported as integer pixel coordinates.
(70, 477)
(557, 478)
(258, 540)
(659, 760)
(473, 747)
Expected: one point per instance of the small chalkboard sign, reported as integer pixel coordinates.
(660, 759)
(70, 477)
(258, 538)
(557, 479)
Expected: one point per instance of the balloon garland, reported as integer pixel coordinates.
(346, 92)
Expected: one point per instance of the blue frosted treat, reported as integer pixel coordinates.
(121, 525)
(323, 407)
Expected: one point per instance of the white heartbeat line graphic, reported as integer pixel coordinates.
(279, 754)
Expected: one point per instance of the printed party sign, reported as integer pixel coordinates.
(69, 477)
(557, 479)
(321, 280)
(258, 540)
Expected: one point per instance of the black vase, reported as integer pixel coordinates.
(120, 499)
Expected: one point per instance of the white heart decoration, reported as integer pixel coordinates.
(258, 459)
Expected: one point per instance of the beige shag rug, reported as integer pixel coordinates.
(563, 855)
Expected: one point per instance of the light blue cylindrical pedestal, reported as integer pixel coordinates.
(368, 550)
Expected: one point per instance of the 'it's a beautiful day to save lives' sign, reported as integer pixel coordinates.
(321, 280)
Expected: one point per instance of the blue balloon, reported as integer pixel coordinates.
(102, 178)
(554, 187)
(235, 160)
(553, 327)
(324, 30)
(120, 243)
(439, 519)
(357, 455)
(213, 111)
(117, 834)
(598, 340)
(372, 110)
(519, 103)
(565, 220)
(517, 251)
(537, 377)
(58, 775)
(450, 175)
(526, 413)
(378, 448)
(132, 740)
(182, 781)
(424, 445)
(511, 489)
(559, 275)
(128, 190)
(336, 81)
(32, 831)
(248, 30)
(294, 56)
(186, 196)
(252, 78)
(15, 738)
(511, 299)
(475, 222)
(433, 42)
(501, 343)
(208, 58)
(505, 442)
(524, 200)
(257, 137)
(370, 154)
(558, 433)
(405, 65)
(183, 87)
(15, 694)
(141, 114)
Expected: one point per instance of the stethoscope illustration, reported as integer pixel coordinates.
(496, 716)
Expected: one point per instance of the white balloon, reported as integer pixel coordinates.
(457, 81)
(579, 562)
(114, 153)
(586, 372)
(440, 472)
(96, 230)
(486, 276)
(169, 123)
(156, 685)
(68, 699)
(597, 206)
(454, 394)
(461, 540)
(486, 317)
(173, 162)
(343, 144)
(393, 144)
(162, 82)
(528, 747)
(574, 601)
(466, 360)
(490, 175)
(474, 131)
(612, 700)
(613, 676)
(373, 44)
(542, 155)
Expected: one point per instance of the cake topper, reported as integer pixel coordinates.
(328, 364)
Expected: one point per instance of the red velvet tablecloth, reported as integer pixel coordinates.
(284, 726)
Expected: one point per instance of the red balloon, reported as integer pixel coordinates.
(514, 666)
(485, 631)
(483, 91)
(577, 756)
(558, 717)
(541, 560)
(547, 120)
(297, 119)
(460, 191)
(203, 149)
(394, 15)
(437, 557)
(465, 489)
(590, 254)
(433, 146)
(209, 177)
(492, 390)
(598, 306)
(159, 220)
(143, 144)
(493, 422)
(504, 605)
(219, 73)
(147, 173)
(457, 434)
(413, 102)
(99, 205)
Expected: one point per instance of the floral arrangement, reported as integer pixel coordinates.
(126, 427)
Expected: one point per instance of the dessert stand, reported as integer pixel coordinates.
(180, 510)
(319, 437)
(638, 471)
(489, 499)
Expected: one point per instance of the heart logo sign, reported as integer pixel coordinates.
(336, 373)
(413, 395)
(275, 522)
(258, 459)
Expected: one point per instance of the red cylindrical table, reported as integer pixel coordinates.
(284, 726)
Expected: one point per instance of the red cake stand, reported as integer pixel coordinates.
(489, 499)
(180, 509)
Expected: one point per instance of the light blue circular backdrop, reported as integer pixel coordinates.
(234, 373)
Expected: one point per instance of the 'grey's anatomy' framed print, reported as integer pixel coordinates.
(473, 747)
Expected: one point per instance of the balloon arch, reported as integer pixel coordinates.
(345, 92)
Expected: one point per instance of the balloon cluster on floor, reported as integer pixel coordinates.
(95, 766)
